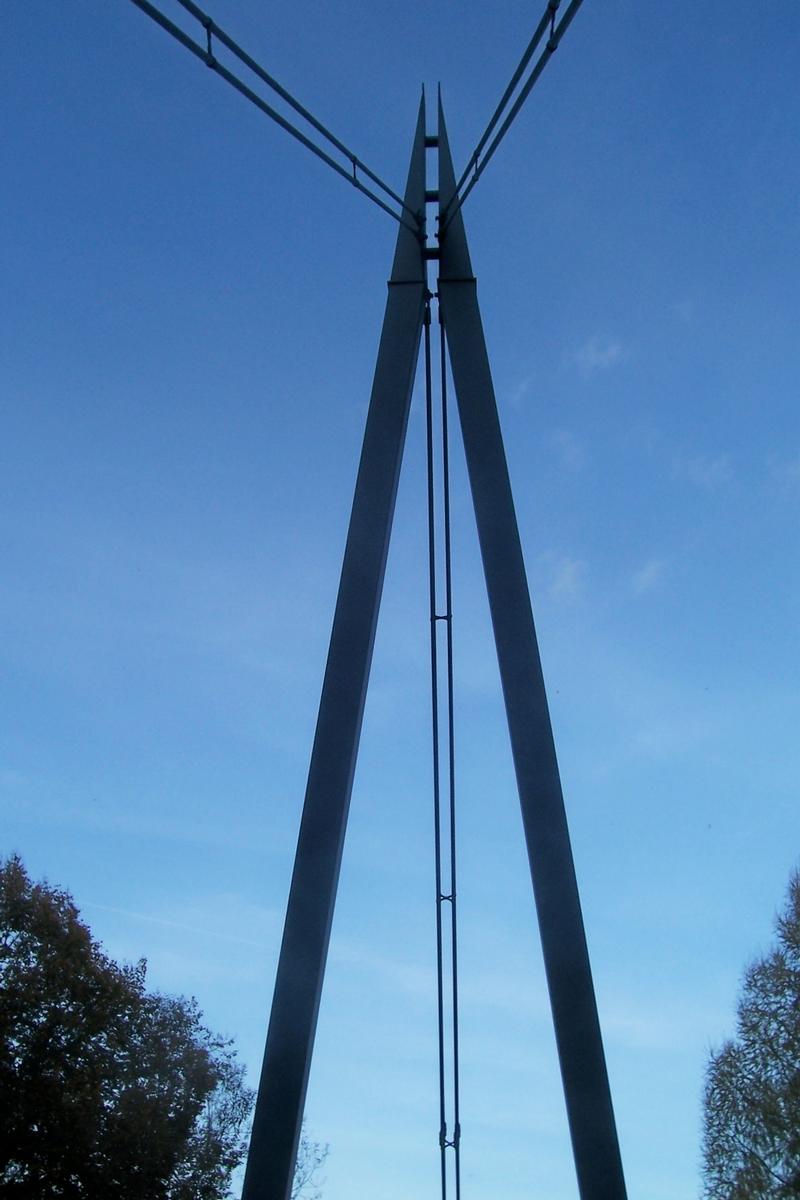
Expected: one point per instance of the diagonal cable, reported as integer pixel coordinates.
(206, 54)
(538, 34)
(476, 164)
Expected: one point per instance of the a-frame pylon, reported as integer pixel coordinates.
(309, 915)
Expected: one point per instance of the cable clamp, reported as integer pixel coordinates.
(552, 43)
(208, 25)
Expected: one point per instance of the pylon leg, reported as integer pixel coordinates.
(301, 967)
(580, 1047)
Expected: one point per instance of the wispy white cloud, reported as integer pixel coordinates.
(663, 1027)
(665, 735)
(520, 390)
(571, 454)
(504, 991)
(785, 471)
(399, 972)
(192, 944)
(200, 930)
(646, 577)
(599, 353)
(150, 815)
(709, 471)
(684, 309)
(568, 579)
(12, 780)
(512, 991)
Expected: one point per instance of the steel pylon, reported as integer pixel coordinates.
(301, 967)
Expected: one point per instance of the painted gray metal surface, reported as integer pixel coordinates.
(580, 1048)
(293, 1019)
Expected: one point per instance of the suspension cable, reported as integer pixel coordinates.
(452, 1142)
(477, 165)
(539, 33)
(206, 54)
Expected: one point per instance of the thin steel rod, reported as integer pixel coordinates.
(579, 1041)
(538, 34)
(437, 817)
(210, 24)
(202, 53)
(312, 896)
(457, 200)
(451, 757)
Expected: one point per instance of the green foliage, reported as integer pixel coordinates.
(110, 1092)
(751, 1144)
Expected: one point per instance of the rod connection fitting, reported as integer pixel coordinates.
(208, 25)
(552, 43)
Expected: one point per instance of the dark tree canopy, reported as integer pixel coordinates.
(751, 1144)
(109, 1092)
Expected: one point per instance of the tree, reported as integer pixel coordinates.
(310, 1157)
(110, 1092)
(751, 1141)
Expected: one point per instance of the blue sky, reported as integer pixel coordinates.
(188, 327)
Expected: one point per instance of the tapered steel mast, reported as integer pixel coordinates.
(309, 914)
(287, 1058)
